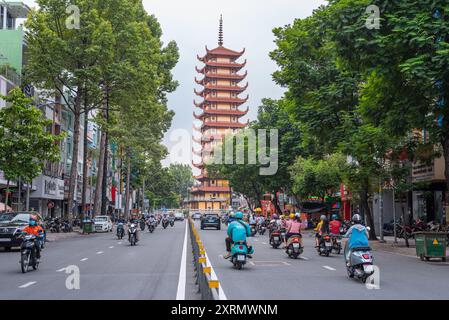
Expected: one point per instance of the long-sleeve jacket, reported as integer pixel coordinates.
(238, 230)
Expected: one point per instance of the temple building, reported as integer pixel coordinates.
(220, 114)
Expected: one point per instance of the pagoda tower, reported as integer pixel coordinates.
(220, 114)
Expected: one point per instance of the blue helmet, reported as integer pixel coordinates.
(239, 215)
(334, 216)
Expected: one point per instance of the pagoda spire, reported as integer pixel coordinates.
(220, 32)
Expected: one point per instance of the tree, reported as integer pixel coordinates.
(183, 180)
(25, 143)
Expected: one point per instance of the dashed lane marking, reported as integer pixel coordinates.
(329, 268)
(84, 259)
(111, 247)
(27, 284)
(60, 270)
(99, 252)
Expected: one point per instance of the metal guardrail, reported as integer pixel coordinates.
(208, 287)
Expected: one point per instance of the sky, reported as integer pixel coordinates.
(193, 24)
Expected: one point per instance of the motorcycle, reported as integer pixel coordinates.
(325, 246)
(164, 223)
(172, 222)
(275, 239)
(120, 230)
(253, 230)
(360, 264)
(142, 225)
(262, 229)
(66, 226)
(239, 254)
(132, 234)
(151, 225)
(28, 254)
(336, 243)
(55, 226)
(294, 248)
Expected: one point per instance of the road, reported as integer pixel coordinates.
(109, 268)
(272, 275)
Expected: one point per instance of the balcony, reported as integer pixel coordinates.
(11, 75)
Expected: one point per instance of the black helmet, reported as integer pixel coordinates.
(356, 218)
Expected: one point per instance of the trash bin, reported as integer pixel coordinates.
(87, 226)
(430, 245)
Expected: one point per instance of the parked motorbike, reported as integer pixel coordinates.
(120, 230)
(55, 225)
(66, 226)
(325, 245)
(275, 239)
(28, 253)
(132, 234)
(360, 264)
(294, 248)
(240, 253)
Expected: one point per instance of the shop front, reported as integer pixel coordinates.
(48, 197)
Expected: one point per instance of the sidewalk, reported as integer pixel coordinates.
(397, 248)
(53, 236)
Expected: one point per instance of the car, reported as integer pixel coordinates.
(211, 220)
(6, 217)
(196, 216)
(179, 216)
(102, 224)
(10, 232)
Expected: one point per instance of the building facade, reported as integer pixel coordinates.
(220, 92)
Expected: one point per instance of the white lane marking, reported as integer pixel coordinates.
(181, 292)
(220, 256)
(256, 240)
(286, 263)
(60, 270)
(213, 275)
(252, 263)
(304, 258)
(329, 268)
(27, 284)
(84, 259)
(119, 242)
(99, 252)
(264, 243)
(111, 247)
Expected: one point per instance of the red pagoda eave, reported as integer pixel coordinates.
(220, 112)
(210, 189)
(221, 51)
(231, 65)
(219, 76)
(218, 124)
(198, 165)
(208, 88)
(208, 100)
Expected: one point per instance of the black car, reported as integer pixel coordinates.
(10, 232)
(210, 221)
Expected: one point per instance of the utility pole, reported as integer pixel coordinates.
(381, 213)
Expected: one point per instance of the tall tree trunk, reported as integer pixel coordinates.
(128, 177)
(276, 203)
(143, 195)
(445, 144)
(104, 191)
(75, 148)
(27, 202)
(99, 182)
(85, 152)
(7, 195)
(365, 205)
(19, 191)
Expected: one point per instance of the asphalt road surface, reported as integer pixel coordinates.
(271, 274)
(109, 268)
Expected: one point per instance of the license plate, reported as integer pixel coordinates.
(368, 268)
(240, 257)
(328, 245)
(5, 240)
(276, 238)
(296, 245)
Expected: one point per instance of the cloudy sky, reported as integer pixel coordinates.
(247, 24)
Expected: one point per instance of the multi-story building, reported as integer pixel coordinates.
(220, 116)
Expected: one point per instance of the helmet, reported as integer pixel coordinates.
(239, 215)
(282, 217)
(298, 215)
(292, 216)
(275, 216)
(232, 214)
(334, 216)
(323, 218)
(356, 218)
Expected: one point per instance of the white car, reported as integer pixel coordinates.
(102, 224)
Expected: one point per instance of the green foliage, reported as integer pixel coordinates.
(25, 143)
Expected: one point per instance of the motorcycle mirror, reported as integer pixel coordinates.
(368, 228)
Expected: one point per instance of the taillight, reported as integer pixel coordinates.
(296, 240)
(366, 256)
(327, 238)
(241, 247)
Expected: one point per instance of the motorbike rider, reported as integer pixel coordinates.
(238, 230)
(37, 231)
(358, 236)
(335, 225)
(275, 223)
(134, 220)
(321, 228)
(294, 227)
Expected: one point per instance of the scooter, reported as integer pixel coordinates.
(28, 254)
(142, 225)
(172, 221)
(262, 229)
(152, 225)
(120, 230)
(164, 223)
(132, 234)
(360, 264)
(275, 239)
(325, 246)
(336, 243)
(294, 248)
(239, 254)
(253, 230)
